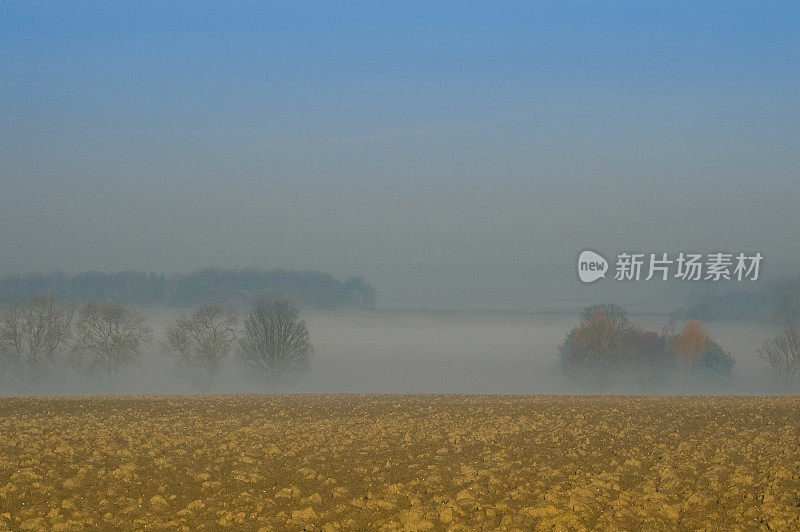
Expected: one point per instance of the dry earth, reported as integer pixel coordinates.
(400, 463)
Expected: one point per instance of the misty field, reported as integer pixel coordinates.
(419, 462)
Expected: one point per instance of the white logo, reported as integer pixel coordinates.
(663, 266)
(591, 266)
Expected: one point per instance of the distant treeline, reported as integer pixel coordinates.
(777, 301)
(306, 289)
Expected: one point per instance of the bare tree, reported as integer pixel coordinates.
(783, 355)
(112, 334)
(201, 342)
(46, 325)
(598, 344)
(32, 332)
(11, 328)
(275, 341)
(12, 341)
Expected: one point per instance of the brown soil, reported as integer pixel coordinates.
(400, 462)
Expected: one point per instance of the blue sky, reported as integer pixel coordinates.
(431, 147)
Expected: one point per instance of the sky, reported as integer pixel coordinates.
(449, 152)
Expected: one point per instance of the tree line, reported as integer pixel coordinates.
(776, 301)
(605, 346)
(102, 337)
(230, 287)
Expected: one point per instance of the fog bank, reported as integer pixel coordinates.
(429, 352)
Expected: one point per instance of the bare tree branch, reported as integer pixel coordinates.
(783, 355)
(112, 333)
(201, 341)
(275, 342)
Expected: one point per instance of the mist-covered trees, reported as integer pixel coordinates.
(605, 345)
(41, 343)
(111, 335)
(694, 349)
(782, 353)
(201, 341)
(776, 301)
(39, 336)
(597, 345)
(272, 344)
(208, 286)
(275, 342)
(32, 334)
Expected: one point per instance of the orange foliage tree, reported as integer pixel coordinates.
(691, 344)
(605, 343)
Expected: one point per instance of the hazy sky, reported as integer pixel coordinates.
(450, 151)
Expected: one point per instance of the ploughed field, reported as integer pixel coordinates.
(417, 462)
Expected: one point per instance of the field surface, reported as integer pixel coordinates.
(400, 463)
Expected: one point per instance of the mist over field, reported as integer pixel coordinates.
(401, 266)
(426, 352)
(447, 180)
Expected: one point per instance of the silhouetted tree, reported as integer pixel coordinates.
(597, 345)
(112, 335)
(32, 332)
(783, 355)
(12, 342)
(275, 342)
(201, 341)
